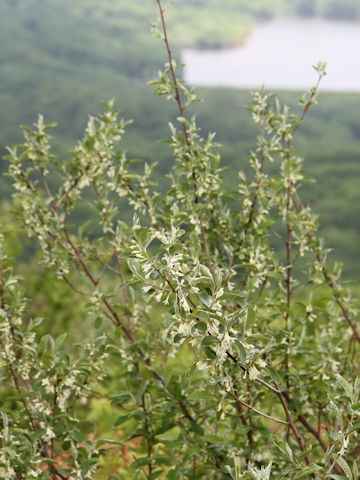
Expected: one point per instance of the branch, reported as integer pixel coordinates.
(292, 425)
(269, 417)
(64, 277)
(308, 104)
(329, 281)
(181, 110)
(171, 63)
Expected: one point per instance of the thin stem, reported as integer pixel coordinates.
(185, 130)
(329, 281)
(148, 438)
(290, 421)
(292, 424)
(258, 185)
(122, 279)
(17, 386)
(78, 256)
(308, 104)
(288, 267)
(171, 64)
(313, 431)
(241, 402)
(80, 292)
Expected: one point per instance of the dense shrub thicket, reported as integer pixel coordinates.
(223, 355)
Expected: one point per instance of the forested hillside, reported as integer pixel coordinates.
(64, 58)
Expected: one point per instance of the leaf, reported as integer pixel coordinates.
(241, 351)
(213, 438)
(176, 390)
(204, 298)
(98, 322)
(250, 316)
(47, 460)
(209, 352)
(155, 474)
(196, 428)
(134, 267)
(356, 426)
(121, 398)
(307, 471)
(274, 375)
(346, 385)
(141, 234)
(5, 419)
(123, 419)
(46, 343)
(65, 471)
(173, 475)
(140, 432)
(140, 462)
(178, 337)
(209, 341)
(60, 340)
(201, 326)
(355, 470)
(344, 465)
(284, 447)
(200, 395)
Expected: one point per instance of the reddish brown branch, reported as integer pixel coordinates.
(171, 64)
(87, 272)
(80, 292)
(240, 403)
(330, 282)
(292, 424)
(17, 386)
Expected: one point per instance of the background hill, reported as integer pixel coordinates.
(64, 58)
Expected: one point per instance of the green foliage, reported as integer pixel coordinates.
(43, 385)
(103, 50)
(222, 356)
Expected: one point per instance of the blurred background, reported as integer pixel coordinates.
(63, 58)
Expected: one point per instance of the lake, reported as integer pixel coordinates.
(279, 54)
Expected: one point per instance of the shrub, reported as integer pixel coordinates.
(228, 342)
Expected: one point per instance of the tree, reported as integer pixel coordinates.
(214, 342)
(306, 8)
(346, 10)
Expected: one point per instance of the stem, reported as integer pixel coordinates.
(171, 64)
(122, 278)
(80, 292)
(85, 268)
(258, 184)
(313, 431)
(259, 173)
(308, 104)
(17, 386)
(290, 421)
(288, 268)
(292, 424)
(240, 403)
(244, 420)
(87, 272)
(185, 130)
(329, 281)
(148, 439)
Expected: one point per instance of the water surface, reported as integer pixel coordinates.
(279, 54)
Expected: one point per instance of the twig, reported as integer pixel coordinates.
(292, 425)
(269, 417)
(185, 130)
(171, 64)
(64, 277)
